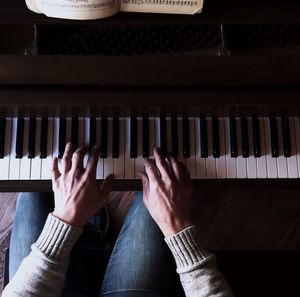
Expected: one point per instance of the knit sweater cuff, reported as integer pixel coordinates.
(187, 251)
(57, 238)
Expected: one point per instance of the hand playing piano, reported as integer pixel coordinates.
(77, 195)
(167, 192)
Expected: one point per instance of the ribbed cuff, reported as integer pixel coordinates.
(57, 238)
(186, 249)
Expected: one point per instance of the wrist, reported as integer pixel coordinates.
(173, 229)
(69, 218)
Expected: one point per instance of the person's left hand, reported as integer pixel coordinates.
(77, 195)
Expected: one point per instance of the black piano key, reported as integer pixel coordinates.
(92, 132)
(174, 132)
(163, 136)
(104, 138)
(245, 137)
(116, 138)
(20, 137)
(62, 137)
(216, 138)
(256, 137)
(286, 136)
(133, 137)
(145, 131)
(233, 138)
(274, 137)
(2, 137)
(203, 137)
(74, 133)
(31, 139)
(44, 137)
(185, 137)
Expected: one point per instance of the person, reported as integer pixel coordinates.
(158, 252)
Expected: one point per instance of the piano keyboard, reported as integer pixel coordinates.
(210, 147)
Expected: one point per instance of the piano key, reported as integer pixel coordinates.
(190, 161)
(129, 162)
(119, 163)
(25, 162)
(151, 135)
(99, 171)
(200, 162)
(2, 136)
(44, 138)
(145, 137)
(274, 137)
(116, 138)
(241, 164)
(5, 161)
(286, 137)
(261, 162)
(31, 134)
(108, 162)
(55, 136)
(256, 137)
(251, 161)
(62, 137)
(87, 130)
(46, 163)
(292, 160)
(221, 161)
(210, 160)
(180, 141)
(68, 130)
(174, 137)
(297, 140)
(216, 137)
(14, 165)
(139, 160)
(74, 133)
(185, 137)
(81, 130)
(281, 160)
(36, 162)
(230, 161)
(233, 138)
(203, 137)
(271, 162)
(92, 133)
(104, 138)
(169, 135)
(245, 137)
(20, 138)
(163, 135)
(133, 137)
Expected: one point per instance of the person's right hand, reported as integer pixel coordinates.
(167, 193)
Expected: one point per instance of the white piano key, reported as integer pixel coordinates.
(139, 161)
(200, 162)
(47, 162)
(99, 172)
(157, 131)
(251, 161)
(108, 163)
(36, 162)
(293, 170)
(25, 162)
(241, 163)
(119, 163)
(14, 166)
(211, 171)
(297, 138)
(4, 163)
(169, 134)
(55, 136)
(231, 167)
(262, 162)
(86, 139)
(221, 161)
(180, 141)
(281, 160)
(271, 162)
(191, 161)
(151, 135)
(129, 162)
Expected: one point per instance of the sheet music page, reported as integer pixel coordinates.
(163, 6)
(75, 9)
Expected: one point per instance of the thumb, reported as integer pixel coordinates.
(105, 187)
(145, 181)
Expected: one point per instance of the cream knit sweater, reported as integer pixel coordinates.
(42, 273)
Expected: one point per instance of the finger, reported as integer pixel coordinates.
(91, 167)
(151, 170)
(177, 168)
(161, 164)
(67, 157)
(55, 174)
(106, 185)
(77, 159)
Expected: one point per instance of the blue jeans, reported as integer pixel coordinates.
(140, 263)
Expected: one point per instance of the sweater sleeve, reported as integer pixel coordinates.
(42, 272)
(196, 267)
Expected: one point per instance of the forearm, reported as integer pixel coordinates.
(196, 267)
(42, 272)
